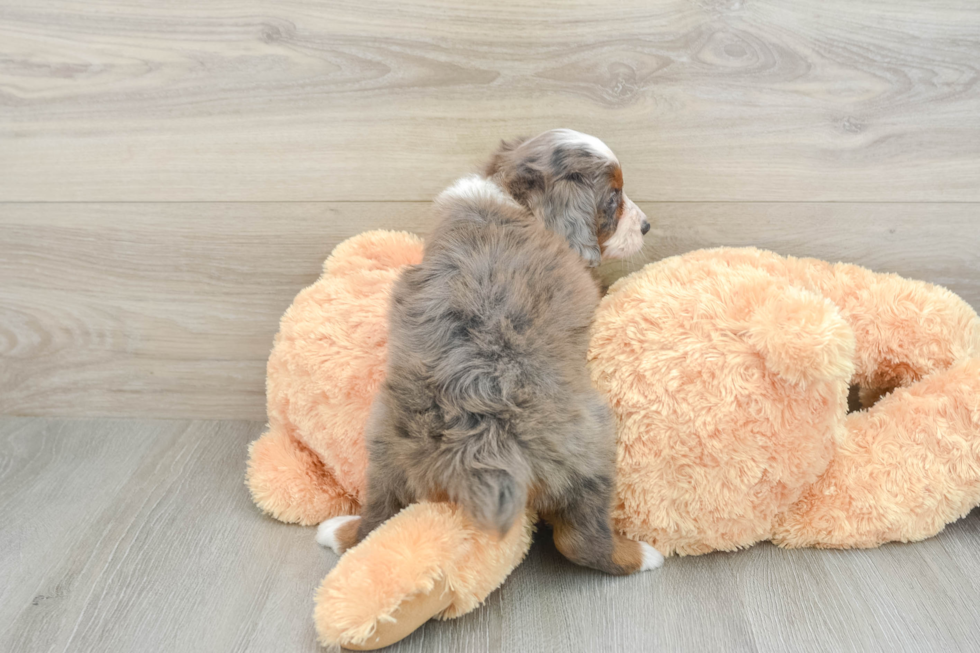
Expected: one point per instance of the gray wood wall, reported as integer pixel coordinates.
(172, 173)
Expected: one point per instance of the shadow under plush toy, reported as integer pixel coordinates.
(728, 371)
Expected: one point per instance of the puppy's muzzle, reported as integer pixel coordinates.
(639, 216)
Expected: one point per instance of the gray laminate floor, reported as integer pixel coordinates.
(139, 535)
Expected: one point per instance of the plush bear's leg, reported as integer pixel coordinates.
(289, 482)
(428, 560)
(908, 466)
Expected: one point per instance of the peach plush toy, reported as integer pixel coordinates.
(729, 372)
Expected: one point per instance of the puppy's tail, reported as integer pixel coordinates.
(493, 498)
(494, 494)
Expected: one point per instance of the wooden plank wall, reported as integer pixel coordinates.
(172, 173)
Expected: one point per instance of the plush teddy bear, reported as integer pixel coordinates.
(729, 372)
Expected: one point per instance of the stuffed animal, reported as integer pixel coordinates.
(729, 372)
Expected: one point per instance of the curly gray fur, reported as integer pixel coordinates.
(487, 401)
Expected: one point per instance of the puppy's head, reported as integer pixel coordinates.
(573, 182)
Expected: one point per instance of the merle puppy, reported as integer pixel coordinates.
(487, 401)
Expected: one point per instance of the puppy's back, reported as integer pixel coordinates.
(488, 335)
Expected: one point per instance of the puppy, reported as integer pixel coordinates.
(487, 401)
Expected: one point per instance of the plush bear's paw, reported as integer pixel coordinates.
(338, 533)
(651, 557)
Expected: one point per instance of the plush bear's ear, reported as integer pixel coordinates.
(802, 336)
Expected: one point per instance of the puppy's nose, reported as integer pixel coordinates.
(644, 228)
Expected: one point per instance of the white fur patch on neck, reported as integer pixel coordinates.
(570, 136)
(476, 187)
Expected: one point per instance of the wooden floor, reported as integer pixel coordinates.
(172, 173)
(139, 535)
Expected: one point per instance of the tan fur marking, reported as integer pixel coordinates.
(616, 178)
(533, 493)
(346, 534)
(627, 553)
(567, 540)
(438, 496)
(592, 550)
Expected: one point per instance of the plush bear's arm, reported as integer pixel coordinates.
(426, 561)
(908, 466)
(905, 329)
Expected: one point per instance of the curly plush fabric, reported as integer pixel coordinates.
(728, 371)
(424, 546)
(906, 468)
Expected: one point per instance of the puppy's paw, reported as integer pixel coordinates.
(651, 558)
(338, 533)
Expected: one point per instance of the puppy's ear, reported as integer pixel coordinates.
(570, 211)
(504, 156)
(517, 173)
(525, 183)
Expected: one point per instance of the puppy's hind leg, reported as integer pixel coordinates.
(584, 533)
(344, 532)
(385, 486)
